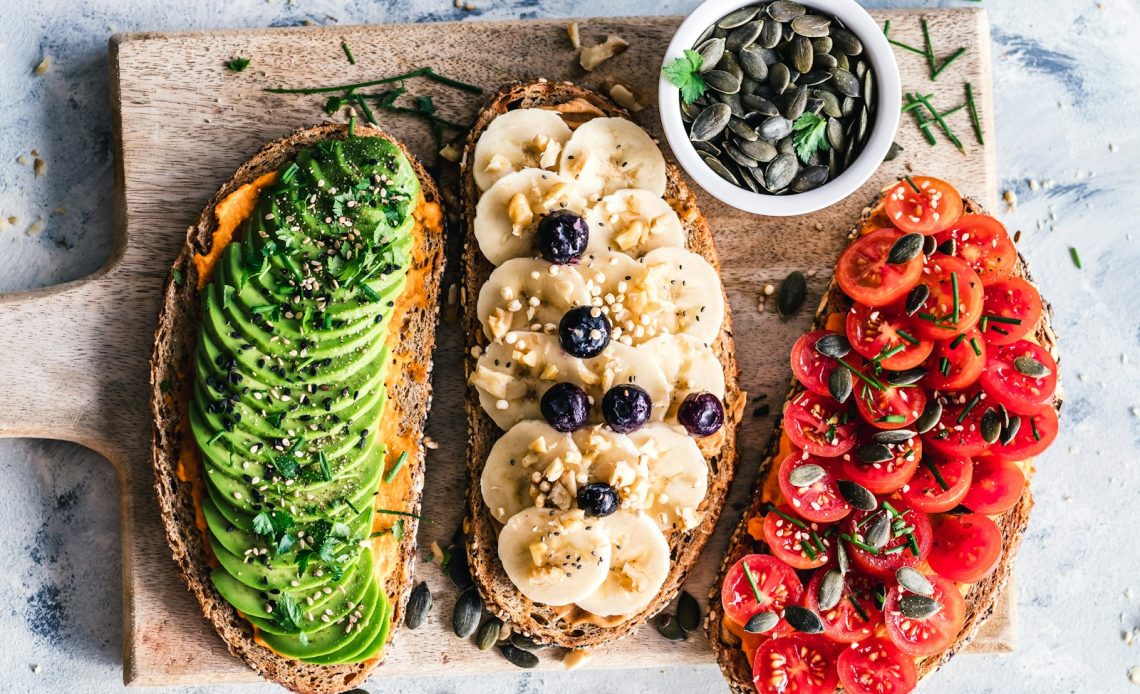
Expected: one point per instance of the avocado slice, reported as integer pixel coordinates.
(369, 639)
(323, 641)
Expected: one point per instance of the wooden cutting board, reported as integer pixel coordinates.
(74, 358)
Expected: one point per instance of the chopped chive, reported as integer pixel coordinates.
(936, 474)
(348, 53)
(326, 471)
(888, 353)
(351, 127)
(1000, 331)
(369, 292)
(1033, 427)
(215, 437)
(956, 109)
(368, 115)
(954, 288)
(977, 123)
(869, 380)
(908, 337)
(386, 511)
(929, 47)
(920, 120)
(806, 547)
(892, 419)
(859, 608)
(957, 54)
(1002, 319)
(297, 444)
(861, 545)
(418, 72)
(944, 366)
(914, 104)
(751, 581)
(1075, 256)
(887, 28)
(913, 545)
(957, 341)
(941, 123)
(348, 502)
(391, 474)
(912, 184)
(983, 323)
(894, 550)
(791, 519)
(905, 46)
(969, 406)
(975, 346)
(894, 511)
(815, 540)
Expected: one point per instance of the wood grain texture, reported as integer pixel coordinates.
(74, 358)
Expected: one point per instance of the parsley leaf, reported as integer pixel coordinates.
(809, 135)
(262, 525)
(287, 615)
(237, 64)
(684, 73)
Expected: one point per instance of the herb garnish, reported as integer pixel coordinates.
(1075, 256)
(391, 474)
(348, 53)
(809, 135)
(751, 581)
(237, 64)
(685, 74)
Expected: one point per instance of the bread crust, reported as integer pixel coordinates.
(497, 591)
(409, 399)
(981, 597)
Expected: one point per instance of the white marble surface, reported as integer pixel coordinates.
(1067, 76)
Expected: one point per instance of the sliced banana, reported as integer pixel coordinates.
(529, 294)
(530, 448)
(516, 140)
(639, 565)
(608, 154)
(611, 281)
(634, 222)
(689, 365)
(683, 293)
(508, 213)
(678, 477)
(512, 375)
(555, 558)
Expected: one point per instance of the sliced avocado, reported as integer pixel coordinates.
(330, 602)
(326, 640)
(372, 627)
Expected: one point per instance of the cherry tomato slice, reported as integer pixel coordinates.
(885, 477)
(997, 486)
(819, 425)
(811, 368)
(865, 275)
(984, 244)
(799, 663)
(1011, 309)
(922, 637)
(935, 206)
(966, 548)
(876, 666)
(893, 407)
(936, 317)
(820, 501)
(845, 623)
(1034, 435)
(956, 363)
(958, 434)
(875, 331)
(1005, 382)
(898, 550)
(926, 493)
(793, 543)
(776, 585)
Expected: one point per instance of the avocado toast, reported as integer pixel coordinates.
(290, 387)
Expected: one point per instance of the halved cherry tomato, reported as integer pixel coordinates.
(1011, 309)
(898, 551)
(865, 275)
(1034, 435)
(926, 493)
(982, 242)
(956, 363)
(958, 434)
(921, 637)
(1006, 384)
(937, 318)
(820, 501)
(776, 585)
(811, 368)
(819, 425)
(935, 206)
(888, 476)
(893, 407)
(788, 540)
(845, 623)
(800, 663)
(966, 548)
(996, 488)
(876, 666)
(874, 332)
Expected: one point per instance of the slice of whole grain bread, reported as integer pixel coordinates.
(500, 595)
(409, 398)
(981, 596)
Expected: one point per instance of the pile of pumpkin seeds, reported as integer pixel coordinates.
(765, 66)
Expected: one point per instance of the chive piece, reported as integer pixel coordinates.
(861, 545)
(1000, 331)
(791, 519)
(1033, 427)
(418, 72)
(954, 288)
(348, 502)
(957, 341)
(920, 120)
(969, 406)
(887, 28)
(806, 547)
(894, 550)
(936, 474)
(751, 581)
(391, 474)
(1002, 319)
(326, 471)
(296, 444)
(914, 104)
(912, 184)
(908, 337)
(1075, 256)
(956, 109)
(869, 380)
(929, 47)
(368, 115)
(975, 346)
(974, 113)
(913, 545)
(215, 437)
(387, 511)
(815, 539)
(957, 54)
(905, 46)
(983, 323)
(894, 511)
(888, 353)
(436, 77)
(859, 608)
(892, 419)
(351, 127)
(941, 123)
(348, 53)
(369, 292)
(944, 366)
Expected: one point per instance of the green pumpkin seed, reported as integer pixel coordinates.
(842, 562)
(733, 103)
(830, 589)
(688, 612)
(758, 106)
(906, 248)
(906, 378)
(722, 81)
(762, 622)
(991, 425)
(929, 417)
(793, 290)
(919, 606)
(806, 475)
(419, 604)
(890, 436)
(518, 657)
(743, 130)
(785, 10)
(814, 78)
(948, 247)
(824, 62)
(720, 169)
(810, 178)
(710, 122)
(857, 495)
(846, 42)
(796, 104)
(468, 609)
(811, 25)
(845, 82)
(737, 156)
(929, 246)
(813, 105)
(914, 581)
(779, 77)
(711, 52)
(525, 642)
(1031, 367)
(833, 345)
(771, 34)
(1010, 430)
(840, 384)
(775, 128)
(731, 65)
(752, 62)
(877, 532)
(738, 17)
(822, 45)
(803, 619)
(668, 627)
(1004, 415)
(917, 297)
(744, 35)
(874, 453)
(488, 634)
(894, 152)
(707, 147)
(803, 56)
(835, 135)
(759, 150)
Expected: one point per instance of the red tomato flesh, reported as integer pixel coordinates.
(1011, 309)
(811, 368)
(966, 548)
(890, 408)
(820, 501)
(959, 432)
(819, 425)
(888, 476)
(1006, 384)
(876, 666)
(926, 493)
(799, 663)
(865, 275)
(934, 206)
(956, 363)
(922, 637)
(1035, 434)
(937, 317)
(776, 585)
(983, 243)
(791, 542)
(898, 550)
(877, 331)
(846, 623)
(996, 488)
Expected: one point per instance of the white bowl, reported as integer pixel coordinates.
(886, 120)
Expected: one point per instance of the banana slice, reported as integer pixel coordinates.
(689, 365)
(512, 375)
(521, 139)
(555, 558)
(611, 281)
(639, 564)
(684, 294)
(529, 294)
(531, 451)
(634, 222)
(508, 213)
(608, 154)
(678, 477)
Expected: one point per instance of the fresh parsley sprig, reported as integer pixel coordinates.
(685, 74)
(809, 135)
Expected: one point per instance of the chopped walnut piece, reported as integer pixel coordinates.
(593, 56)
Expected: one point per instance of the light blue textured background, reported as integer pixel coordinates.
(1067, 80)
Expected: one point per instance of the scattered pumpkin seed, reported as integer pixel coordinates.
(877, 532)
(929, 417)
(991, 425)
(948, 247)
(518, 657)
(811, 25)
(906, 378)
(803, 619)
(919, 606)
(873, 452)
(785, 10)
(842, 562)
(419, 604)
(894, 151)
(917, 297)
(929, 246)
(761, 622)
(688, 612)
(807, 475)
(457, 569)
(833, 345)
(1010, 430)
(710, 122)
(668, 626)
(845, 82)
(906, 248)
(711, 52)
(722, 81)
(889, 436)
(1031, 367)
(846, 42)
(914, 581)
(857, 495)
(468, 609)
(840, 384)
(488, 634)
(526, 643)
(793, 290)
(760, 150)
(830, 589)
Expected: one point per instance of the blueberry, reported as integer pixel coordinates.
(701, 414)
(584, 332)
(626, 408)
(565, 406)
(598, 499)
(562, 236)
